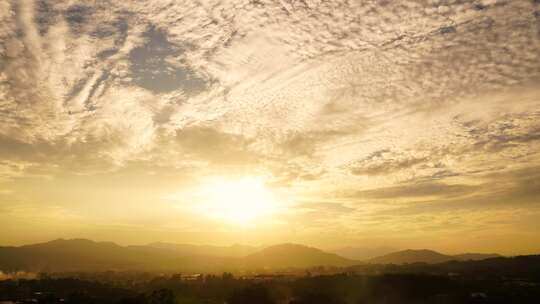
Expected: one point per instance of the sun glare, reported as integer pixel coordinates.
(237, 201)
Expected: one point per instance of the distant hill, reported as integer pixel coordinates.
(235, 251)
(526, 268)
(293, 255)
(426, 256)
(476, 256)
(85, 255)
(362, 253)
(65, 255)
(411, 256)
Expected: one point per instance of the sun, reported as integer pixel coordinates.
(238, 201)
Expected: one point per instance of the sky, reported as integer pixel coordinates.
(410, 124)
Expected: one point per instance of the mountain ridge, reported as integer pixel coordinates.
(362, 253)
(289, 255)
(427, 256)
(87, 255)
(235, 250)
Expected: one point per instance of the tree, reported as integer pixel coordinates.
(162, 296)
(254, 294)
(314, 298)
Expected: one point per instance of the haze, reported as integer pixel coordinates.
(408, 124)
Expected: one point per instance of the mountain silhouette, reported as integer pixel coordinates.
(362, 253)
(86, 255)
(234, 251)
(426, 256)
(475, 256)
(294, 255)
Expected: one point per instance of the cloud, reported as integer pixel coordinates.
(210, 145)
(12, 169)
(324, 207)
(386, 101)
(417, 191)
(503, 190)
(289, 55)
(383, 162)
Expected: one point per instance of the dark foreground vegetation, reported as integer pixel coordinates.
(327, 289)
(515, 280)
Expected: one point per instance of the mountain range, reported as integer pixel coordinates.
(426, 256)
(86, 255)
(233, 251)
(363, 253)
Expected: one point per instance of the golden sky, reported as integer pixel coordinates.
(411, 124)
